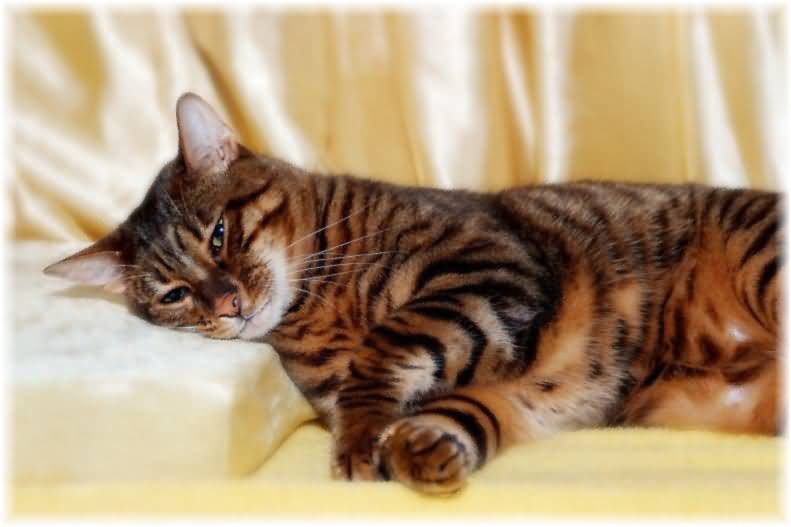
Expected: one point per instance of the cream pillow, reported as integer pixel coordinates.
(99, 394)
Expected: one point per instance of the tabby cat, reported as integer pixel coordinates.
(432, 329)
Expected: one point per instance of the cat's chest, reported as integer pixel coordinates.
(315, 352)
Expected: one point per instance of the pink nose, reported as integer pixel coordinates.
(227, 305)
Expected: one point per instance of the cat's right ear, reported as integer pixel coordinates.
(206, 143)
(99, 264)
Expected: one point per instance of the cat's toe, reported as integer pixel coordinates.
(424, 456)
(352, 465)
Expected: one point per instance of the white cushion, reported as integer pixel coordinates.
(99, 394)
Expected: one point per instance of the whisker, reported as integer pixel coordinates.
(170, 198)
(333, 282)
(183, 202)
(350, 242)
(138, 275)
(321, 277)
(343, 256)
(327, 303)
(311, 293)
(337, 262)
(335, 222)
(332, 266)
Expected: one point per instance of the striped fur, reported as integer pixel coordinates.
(432, 329)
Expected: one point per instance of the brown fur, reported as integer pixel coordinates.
(431, 329)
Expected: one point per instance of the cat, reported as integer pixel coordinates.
(431, 328)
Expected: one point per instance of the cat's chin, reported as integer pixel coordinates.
(258, 325)
(262, 321)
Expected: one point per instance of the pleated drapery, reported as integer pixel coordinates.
(453, 98)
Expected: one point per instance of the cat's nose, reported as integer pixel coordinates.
(227, 305)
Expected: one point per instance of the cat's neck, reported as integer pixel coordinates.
(336, 217)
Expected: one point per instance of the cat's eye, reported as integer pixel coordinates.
(175, 295)
(218, 236)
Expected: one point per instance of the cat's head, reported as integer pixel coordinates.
(193, 254)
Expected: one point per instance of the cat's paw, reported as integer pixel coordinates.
(424, 455)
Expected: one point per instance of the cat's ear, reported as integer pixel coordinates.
(206, 143)
(99, 264)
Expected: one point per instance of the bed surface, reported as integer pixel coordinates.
(602, 473)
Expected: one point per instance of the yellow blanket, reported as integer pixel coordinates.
(603, 473)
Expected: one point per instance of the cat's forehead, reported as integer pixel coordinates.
(186, 202)
(171, 198)
(164, 206)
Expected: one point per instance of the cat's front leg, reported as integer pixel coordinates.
(396, 362)
(368, 401)
(356, 436)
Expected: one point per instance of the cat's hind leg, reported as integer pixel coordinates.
(717, 364)
(749, 233)
(739, 398)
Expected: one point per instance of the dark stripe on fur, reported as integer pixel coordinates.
(444, 267)
(767, 273)
(759, 242)
(473, 332)
(405, 340)
(483, 409)
(468, 423)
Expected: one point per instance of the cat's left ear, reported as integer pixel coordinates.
(99, 264)
(207, 144)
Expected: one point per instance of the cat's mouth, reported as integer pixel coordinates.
(255, 325)
(256, 312)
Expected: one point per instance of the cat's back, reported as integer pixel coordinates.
(594, 205)
(634, 203)
(644, 223)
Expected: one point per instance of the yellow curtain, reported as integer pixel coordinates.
(455, 98)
